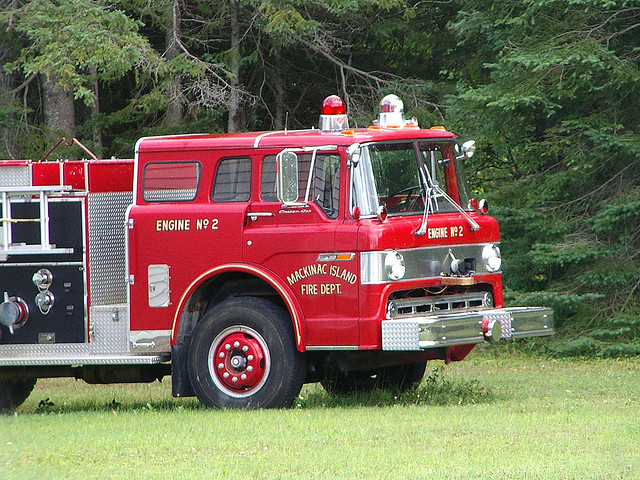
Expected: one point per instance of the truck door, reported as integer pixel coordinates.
(187, 226)
(308, 245)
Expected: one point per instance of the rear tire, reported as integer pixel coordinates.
(14, 392)
(243, 355)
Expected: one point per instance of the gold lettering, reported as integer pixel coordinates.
(330, 289)
(307, 271)
(437, 232)
(309, 289)
(173, 225)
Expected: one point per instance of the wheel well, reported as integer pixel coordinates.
(218, 289)
(212, 292)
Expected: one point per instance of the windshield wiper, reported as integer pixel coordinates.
(432, 191)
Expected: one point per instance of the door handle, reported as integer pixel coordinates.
(255, 215)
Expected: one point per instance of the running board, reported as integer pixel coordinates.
(79, 361)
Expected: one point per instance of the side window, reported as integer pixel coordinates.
(268, 190)
(171, 181)
(232, 182)
(326, 184)
(325, 181)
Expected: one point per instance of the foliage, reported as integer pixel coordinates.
(101, 42)
(549, 98)
(436, 389)
(548, 89)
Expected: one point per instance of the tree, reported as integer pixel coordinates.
(549, 97)
(70, 52)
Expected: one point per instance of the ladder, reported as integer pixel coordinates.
(41, 194)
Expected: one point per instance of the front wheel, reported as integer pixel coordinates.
(243, 355)
(397, 378)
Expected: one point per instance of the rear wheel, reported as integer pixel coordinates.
(14, 392)
(398, 378)
(243, 355)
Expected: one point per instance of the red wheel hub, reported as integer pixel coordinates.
(239, 361)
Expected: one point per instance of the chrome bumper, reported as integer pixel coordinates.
(433, 331)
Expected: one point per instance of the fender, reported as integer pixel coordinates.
(270, 278)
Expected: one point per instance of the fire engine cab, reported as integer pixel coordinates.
(244, 265)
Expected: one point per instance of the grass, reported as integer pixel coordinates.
(485, 418)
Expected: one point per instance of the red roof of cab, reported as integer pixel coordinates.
(288, 139)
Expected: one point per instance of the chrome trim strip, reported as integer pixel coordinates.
(421, 263)
(44, 264)
(531, 321)
(85, 360)
(331, 347)
(335, 257)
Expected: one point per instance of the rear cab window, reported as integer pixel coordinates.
(171, 181)
(232, 181)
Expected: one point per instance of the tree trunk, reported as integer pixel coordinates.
(234, 98)
(174, 104)
(59, 113)
(9, 147)
(95, 108)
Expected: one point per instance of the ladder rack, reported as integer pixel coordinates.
(41, 193)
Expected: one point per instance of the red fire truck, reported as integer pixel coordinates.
(244, 265)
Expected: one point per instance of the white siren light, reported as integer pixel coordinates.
(391, 103)
(333, 117)
(392, 113)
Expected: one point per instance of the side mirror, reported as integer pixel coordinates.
(468, 148)
(287, 176)
(353, 153)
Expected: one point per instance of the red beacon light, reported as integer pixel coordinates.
(333, 117)
(333, 105)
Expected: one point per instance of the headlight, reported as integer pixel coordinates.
(487, 300)
(394, 265)
(491, 258)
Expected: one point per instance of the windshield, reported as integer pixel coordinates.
(402, 176)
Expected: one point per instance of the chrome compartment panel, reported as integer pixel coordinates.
(109, 344)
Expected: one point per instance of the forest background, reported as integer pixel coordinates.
(548, 89)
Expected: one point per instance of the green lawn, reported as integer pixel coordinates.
(505, 418)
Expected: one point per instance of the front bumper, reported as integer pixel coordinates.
(469, 327)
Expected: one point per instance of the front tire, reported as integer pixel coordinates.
(397, 378)
(243, 355)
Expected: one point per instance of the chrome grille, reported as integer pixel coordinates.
(409, 307)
